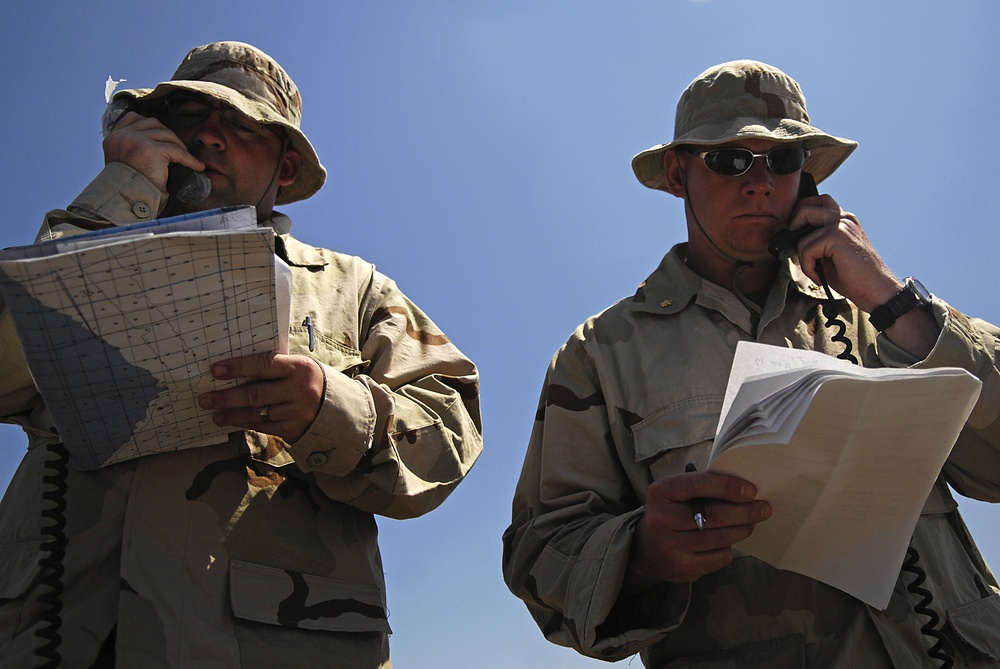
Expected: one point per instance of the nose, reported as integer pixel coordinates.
(758, 180)
(211, 132)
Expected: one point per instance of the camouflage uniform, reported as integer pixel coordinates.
(251, 553)
(635, 394)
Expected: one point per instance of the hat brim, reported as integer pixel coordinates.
(312, 174)
(827, 152)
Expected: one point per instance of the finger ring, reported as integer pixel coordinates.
(264, 418)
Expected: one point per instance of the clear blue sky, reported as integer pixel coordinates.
(479, 154)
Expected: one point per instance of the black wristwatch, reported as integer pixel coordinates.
(912, 296)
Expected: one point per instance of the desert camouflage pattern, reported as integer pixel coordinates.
(254, 552)
(634, 395)
(242, 76)
(744, 99)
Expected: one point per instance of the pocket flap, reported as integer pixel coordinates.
(690, 421)
(976, 623)
(292, 599)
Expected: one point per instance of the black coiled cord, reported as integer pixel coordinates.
(929, 629)
(832, 314)
(54, 550)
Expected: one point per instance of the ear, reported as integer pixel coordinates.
(673, 172)
(291, 165)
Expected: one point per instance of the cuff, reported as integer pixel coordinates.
(343, 429)
(615, 628)
(120, 194)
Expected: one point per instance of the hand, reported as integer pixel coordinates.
(148, 147)
(290, 386)
(854, 269)
(668, 545)
(850, 263)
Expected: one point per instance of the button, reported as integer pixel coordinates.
(141, 209)
(317, 459)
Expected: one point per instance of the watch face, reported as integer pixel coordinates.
(919, 290)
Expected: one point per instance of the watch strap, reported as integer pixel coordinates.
(901, 303)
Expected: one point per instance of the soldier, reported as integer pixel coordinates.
(604, 547)
(260, 551)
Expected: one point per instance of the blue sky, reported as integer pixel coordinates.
(478, 153)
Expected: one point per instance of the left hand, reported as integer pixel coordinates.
(290, 386)
(855, 270)
(850, 262)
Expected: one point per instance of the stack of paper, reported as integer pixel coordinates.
(846, 456)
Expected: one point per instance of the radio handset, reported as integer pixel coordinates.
(186, 185)
(784, 242)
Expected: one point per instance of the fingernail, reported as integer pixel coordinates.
(219, 371)
(205, 402)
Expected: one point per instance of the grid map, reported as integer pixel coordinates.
(119, 336)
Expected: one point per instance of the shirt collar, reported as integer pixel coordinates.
(673, 285)
(289, 249)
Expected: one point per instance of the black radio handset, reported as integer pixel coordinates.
(785, 240)
(186, 185)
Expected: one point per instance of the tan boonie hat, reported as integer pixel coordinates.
(744, 99)
(247, 79)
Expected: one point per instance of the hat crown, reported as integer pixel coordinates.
(247, 69)
(741, 89)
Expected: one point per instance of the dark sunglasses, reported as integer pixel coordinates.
(183, 111)
(733, 162)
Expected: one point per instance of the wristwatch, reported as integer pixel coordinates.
(912, 296)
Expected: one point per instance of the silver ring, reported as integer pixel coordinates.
(264, 418)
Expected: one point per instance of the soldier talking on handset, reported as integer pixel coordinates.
(604, 547)
(262, 550)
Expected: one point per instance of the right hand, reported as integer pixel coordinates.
(147, 146)
(668, 545)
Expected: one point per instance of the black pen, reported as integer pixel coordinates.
(697, 505)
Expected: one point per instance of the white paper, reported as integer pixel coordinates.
(846, 456)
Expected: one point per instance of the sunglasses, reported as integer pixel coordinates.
(733, 162)
(184, 111)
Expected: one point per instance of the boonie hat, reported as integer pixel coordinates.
(244, 77)
(744, 99)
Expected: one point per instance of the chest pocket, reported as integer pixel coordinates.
(330, 352)
(677, 434)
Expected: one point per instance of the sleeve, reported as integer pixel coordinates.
(118, 194)
(574, 515)
(17, 390)
(398, 437)
(973, 468)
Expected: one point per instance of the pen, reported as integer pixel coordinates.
(312, 338)
(697, 505)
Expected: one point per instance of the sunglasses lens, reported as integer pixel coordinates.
(734, 162)
(786, 160)
(730, 162)
(185, 112)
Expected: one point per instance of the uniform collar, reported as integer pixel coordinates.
(673, 286)
(289, 249)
